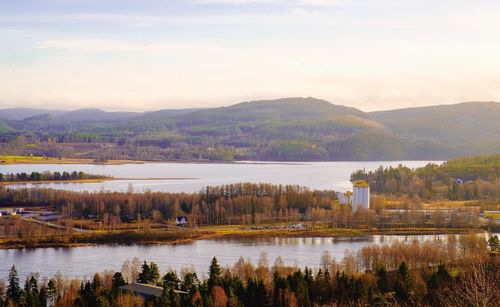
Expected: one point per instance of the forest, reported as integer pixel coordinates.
(453, 272)
(470, 178)
(243, 203)
(232, 204)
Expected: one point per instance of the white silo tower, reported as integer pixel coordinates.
(361, 194)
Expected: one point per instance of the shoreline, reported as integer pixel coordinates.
(96, 180)
(189, 236)
(10, 160)
(5, 160)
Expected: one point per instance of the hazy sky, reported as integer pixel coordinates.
(153, 54)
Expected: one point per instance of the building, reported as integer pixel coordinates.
(361, 194)
(147, 291)
(181, 221)
(7, 211)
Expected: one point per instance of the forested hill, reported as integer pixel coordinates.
(460, 123)
(282, 129)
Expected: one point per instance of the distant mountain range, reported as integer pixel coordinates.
(282, 129)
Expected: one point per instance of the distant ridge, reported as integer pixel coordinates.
(22, 113)
(92, 114)
(287, 129)
(463, 122)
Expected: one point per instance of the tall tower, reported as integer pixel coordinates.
(361, 194)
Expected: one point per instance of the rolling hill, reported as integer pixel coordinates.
(462, 123)
(22, 113)
(282, 129)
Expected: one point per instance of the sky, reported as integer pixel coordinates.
(137, 55)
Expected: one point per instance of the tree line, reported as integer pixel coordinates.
(401, 274)
(231, 204)
(48, 176)
(243, 203)
(473, 178)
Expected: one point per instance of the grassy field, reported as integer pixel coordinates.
(492, 215)
(448, 204)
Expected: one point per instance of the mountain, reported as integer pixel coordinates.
(280, 109)
(283, 129)
(22, 113)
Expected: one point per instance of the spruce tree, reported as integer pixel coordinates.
(51, 292)
(14, 290)
(145, 273)
(214, 274)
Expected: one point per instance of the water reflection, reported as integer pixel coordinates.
(84, 261)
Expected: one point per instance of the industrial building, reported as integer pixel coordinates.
(361, 194)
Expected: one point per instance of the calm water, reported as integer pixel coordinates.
(316, 175)
(84, 261)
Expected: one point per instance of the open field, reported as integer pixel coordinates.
(448, 204)
(492, 215)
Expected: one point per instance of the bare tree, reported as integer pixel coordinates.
(477, 287)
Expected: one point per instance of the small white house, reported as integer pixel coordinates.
(8, 211)
(181, 221)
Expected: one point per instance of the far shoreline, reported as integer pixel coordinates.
(97, 180)
(5, 160)
(129, 238)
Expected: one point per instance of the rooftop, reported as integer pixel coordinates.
(360, 183)
(147, 290)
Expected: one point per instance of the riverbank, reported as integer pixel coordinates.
(185, 236)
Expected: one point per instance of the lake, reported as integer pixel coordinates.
(192, 177)
(82, 262)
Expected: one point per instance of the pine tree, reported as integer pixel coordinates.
(14, 290)
(32, 292)
(51, 292)
(171, 280)
(214, 274)
(145, 273)
(117, 281)
(382, 281)
(403, 282)
(154, 272)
